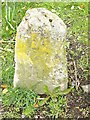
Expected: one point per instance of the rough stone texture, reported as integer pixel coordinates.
(40, 54)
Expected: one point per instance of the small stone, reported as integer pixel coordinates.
(86, 88)
(23, 116)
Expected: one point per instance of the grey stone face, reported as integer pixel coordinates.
(40, 54)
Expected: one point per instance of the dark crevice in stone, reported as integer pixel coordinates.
(50, 20)
(45, 15)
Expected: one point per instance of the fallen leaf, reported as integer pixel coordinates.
(36, 105)
(82, 6)
(4, 86)
(1, 41)
(5, 91)
(7, 28)
(72, 7)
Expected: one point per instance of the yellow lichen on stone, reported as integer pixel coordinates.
(21, 49)
(46, 46)
(41, 51)
(37, 51)
(33, 45)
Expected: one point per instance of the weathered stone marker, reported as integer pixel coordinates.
(40, 51)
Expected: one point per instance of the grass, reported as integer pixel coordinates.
(27, 102)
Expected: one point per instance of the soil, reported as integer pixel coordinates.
(78, 104)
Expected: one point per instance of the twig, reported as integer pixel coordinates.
(76, 79)
(2, 41)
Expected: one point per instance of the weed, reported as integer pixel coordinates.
(19, 100)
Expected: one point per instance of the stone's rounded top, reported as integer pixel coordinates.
(42, 21)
